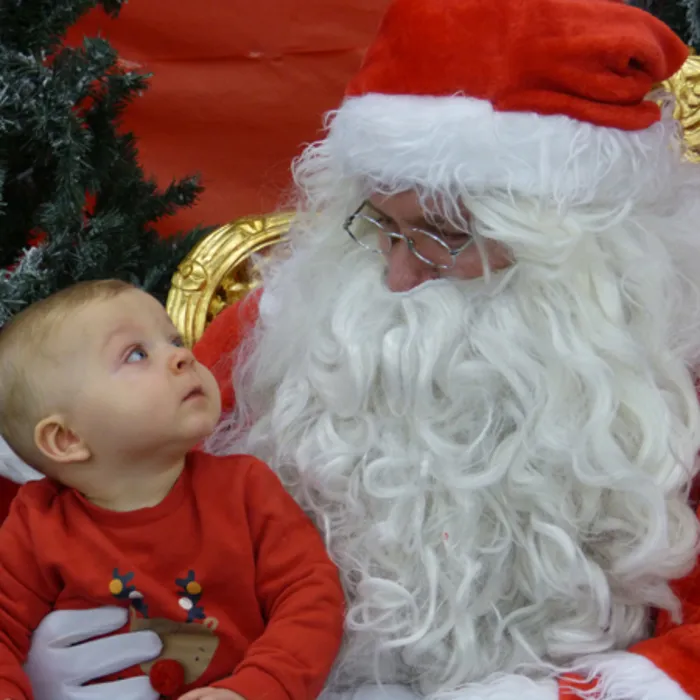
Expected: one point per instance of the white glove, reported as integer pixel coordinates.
(14, 468)
(57, 669)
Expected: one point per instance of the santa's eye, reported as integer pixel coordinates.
(455, 240)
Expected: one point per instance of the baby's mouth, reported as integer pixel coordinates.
(197, 392)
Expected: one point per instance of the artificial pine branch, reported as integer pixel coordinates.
(36, 26)
(683, 16)
(69, 174)
(692, 8)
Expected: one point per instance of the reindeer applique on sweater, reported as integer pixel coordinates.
(188, 645)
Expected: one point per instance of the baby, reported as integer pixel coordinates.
(211, 553)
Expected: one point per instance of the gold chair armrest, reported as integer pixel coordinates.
(218, 271)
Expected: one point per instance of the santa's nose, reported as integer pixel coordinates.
(404, 270)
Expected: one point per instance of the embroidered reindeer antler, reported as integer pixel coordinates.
(190, 592)
(121, 588)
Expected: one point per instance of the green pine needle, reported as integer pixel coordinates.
(69, 175)
(683, 16)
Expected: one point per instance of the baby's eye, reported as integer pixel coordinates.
(136, 355)
(178, 342)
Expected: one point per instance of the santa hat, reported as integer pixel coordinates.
(540, 97)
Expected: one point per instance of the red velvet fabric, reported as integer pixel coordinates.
(222, 340)
(7, 493)
(238, 88)
(574, 688)
(592, 60)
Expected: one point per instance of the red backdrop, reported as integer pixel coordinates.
(238, 87)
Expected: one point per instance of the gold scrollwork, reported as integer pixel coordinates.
(685, 87)
(218, 271)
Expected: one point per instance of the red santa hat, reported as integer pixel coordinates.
(540, 97)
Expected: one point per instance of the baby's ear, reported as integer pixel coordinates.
(58, 443)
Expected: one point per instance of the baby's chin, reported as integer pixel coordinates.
(202, 429)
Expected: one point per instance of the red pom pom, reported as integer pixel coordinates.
(167, 676)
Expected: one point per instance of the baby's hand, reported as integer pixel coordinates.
(211, 694)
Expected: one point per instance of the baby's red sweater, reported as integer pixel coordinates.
(227, 557)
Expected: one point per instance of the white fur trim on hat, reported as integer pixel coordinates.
(406, 141)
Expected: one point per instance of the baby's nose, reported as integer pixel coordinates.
(180, 360)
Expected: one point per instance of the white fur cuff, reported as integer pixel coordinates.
(510, 687)
(621, 676)
(624, 676)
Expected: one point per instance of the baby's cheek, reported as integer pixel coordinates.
(214, 391)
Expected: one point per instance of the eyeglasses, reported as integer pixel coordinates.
(376, 237)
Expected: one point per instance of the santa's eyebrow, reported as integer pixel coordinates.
(377, 210)
(421, 222)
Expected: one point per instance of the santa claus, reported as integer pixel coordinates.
(472, 365)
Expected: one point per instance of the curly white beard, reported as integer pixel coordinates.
(500, 470)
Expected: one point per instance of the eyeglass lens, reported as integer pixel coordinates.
(374, 236)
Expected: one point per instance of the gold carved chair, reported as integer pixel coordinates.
(219, 270)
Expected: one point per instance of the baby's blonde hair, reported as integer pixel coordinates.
(25, 342)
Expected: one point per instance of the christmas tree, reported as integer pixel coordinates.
(683, 16)
(70, 181)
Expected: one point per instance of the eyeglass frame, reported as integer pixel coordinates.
(397, 235)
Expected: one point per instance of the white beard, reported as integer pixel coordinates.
(500, 475)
